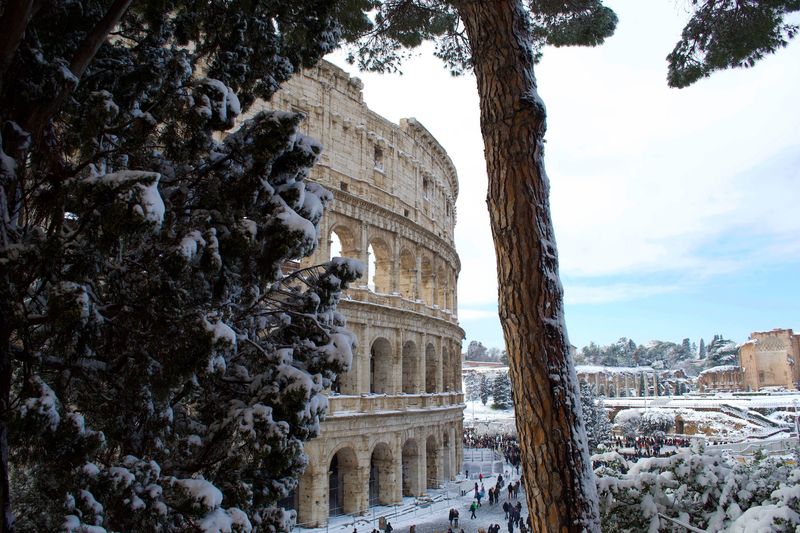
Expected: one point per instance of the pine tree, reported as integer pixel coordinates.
(501, 391)
(485, 389)
(159, 370)
(595, 418)
(472, 386)
(721, 351)
(701, 351)
(501, 41)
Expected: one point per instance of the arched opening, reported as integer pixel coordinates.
(427, 281)
(380, 366)
(601, 390)
(410, 468)
(408, 275)
(381, 476)
(341, 242)
(410, 368)
(380, 266)
(343, 483)
(431, 462)
(431, 365)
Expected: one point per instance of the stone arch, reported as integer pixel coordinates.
(410, 368)
(407, 281)
(432, 454)
(380, 266)
(343, 486)
(427, 281)
(381, 475)
(410, 468)
(380, 366)
(431, 366)
(343, 236)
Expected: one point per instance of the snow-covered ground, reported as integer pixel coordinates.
(487, 420)
(432, 518)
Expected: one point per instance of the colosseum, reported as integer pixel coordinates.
(394, 422)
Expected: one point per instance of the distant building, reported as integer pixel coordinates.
(725, 378)
(771, 359)
(622, 381)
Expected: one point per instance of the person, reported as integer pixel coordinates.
(480, 477)
(505, 509)
(450, 516)
(491, 496)
(472, 509)
(478, 496)
(455, 518)
(510, 526)
(413, 528)
(389, 527)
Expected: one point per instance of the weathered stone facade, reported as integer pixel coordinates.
(725, 378)
(623, 381)
(771, 359)
(394, 426)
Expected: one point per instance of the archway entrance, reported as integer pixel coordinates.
(380, 366)
(343, 483)
(380, 476)
(432, 465)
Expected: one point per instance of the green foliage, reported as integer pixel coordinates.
(595, 418)
(155, 354)
(726, 34)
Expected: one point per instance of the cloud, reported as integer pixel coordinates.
(476, 314)
(615, 292)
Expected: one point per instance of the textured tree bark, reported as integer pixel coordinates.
(559, 481)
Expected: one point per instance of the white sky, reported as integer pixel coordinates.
(655, 191)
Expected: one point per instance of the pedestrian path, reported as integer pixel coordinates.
(432, 516)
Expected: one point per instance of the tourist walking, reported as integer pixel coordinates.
(472, 509)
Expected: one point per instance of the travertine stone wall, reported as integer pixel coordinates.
(771, 359)
(395, 419)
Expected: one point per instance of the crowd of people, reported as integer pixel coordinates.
(648, 446)
(504, 443)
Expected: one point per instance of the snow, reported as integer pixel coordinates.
(202, 491)
(720, 368)
(220, 331)
(45, 405)
(144, 195)
(190, 244)
(224, 520)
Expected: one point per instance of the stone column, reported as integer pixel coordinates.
(313, 497)
(440, 366)
(394, 275)
(655, 384)
(418, 276)
(363, 253)
(454, 439)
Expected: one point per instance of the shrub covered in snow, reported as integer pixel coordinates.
(161, 371)
(702, 490)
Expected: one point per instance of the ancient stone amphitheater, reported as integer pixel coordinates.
(395, 419)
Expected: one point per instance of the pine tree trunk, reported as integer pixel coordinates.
(560, 487)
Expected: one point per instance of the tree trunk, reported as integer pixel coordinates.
(559, 481)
